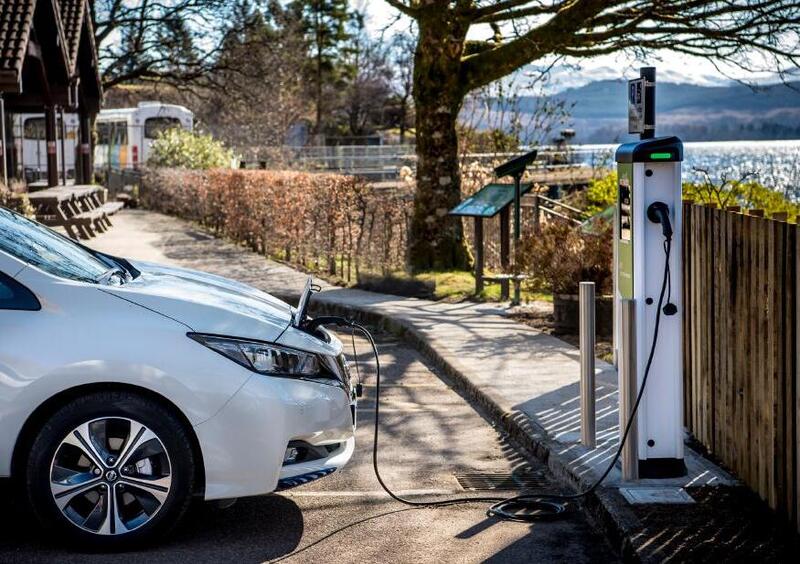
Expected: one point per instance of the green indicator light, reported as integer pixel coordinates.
(660, 156)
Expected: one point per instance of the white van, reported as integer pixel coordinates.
(123, 140)
(124, 135)
(31, 147)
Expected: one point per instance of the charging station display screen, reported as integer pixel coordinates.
(624, 212)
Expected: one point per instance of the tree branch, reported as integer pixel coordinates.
(403, 8)
(520, 13)
(485, 67)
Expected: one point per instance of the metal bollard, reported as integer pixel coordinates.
(628, 389)
(587, 341)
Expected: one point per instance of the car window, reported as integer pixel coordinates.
(14, 295)
(38, 246)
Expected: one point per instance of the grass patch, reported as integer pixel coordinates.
(451, 285)
(460, 284)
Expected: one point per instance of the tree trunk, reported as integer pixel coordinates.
(437, 240)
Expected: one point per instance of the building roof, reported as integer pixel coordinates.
(62, 30)
(15, 29)
(72, 21)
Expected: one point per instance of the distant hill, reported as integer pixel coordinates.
(696, 113)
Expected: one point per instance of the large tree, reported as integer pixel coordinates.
(447, 67)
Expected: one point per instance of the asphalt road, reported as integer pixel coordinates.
(429, 434)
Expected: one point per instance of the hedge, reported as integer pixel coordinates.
(329, 223)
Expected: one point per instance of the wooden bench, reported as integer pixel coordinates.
(78, 208)
(110, 208)
(89, 221)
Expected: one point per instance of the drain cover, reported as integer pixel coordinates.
(501, 481)
(642, 495)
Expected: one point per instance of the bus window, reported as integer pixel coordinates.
(119, 133)
(33, 129)
(103, 132)
(155, 125)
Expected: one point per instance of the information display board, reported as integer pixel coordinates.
(489, 200)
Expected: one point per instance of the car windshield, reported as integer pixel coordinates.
(38, 246)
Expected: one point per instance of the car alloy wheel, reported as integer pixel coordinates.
(110, 476)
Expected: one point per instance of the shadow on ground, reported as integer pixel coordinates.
(253, 530)
(727, 524)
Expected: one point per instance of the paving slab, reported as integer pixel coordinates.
(526, 380)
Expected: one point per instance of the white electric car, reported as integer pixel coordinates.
(128, 388)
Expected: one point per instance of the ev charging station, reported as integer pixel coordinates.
(648, 230)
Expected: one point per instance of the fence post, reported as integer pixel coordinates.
(587, 340)
(628, 389)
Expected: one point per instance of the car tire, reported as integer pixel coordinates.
(111, 470)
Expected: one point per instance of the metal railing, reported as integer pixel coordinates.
(384, 162)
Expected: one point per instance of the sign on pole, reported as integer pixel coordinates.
(636, 105)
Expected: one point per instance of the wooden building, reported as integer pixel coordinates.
(48, 64)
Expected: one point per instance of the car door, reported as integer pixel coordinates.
(19, 312)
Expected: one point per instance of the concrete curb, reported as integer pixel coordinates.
(605, 505)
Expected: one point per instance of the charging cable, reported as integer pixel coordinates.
(525, 507)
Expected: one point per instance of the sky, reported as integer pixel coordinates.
(671, 67)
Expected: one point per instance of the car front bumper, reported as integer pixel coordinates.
(299, 473)
(243, 445)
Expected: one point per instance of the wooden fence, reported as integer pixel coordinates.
(741, 346)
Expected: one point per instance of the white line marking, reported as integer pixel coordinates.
(369, 494)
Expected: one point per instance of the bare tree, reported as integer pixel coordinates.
(176, 42)
(262, 66)
(745, 33)
(401, 56)
(514, 112)
(368, 85)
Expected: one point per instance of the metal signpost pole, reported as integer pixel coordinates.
(587, 340)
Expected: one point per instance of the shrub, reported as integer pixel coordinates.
(472, 140)
(329, 223)
(14, 198)
(602, 192)
(562, 255)
(177, 147)
(747, 194)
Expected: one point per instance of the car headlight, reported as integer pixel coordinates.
(267, 358)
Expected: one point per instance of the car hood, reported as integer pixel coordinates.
(206, 303)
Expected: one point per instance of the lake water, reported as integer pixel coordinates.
(774, 163)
